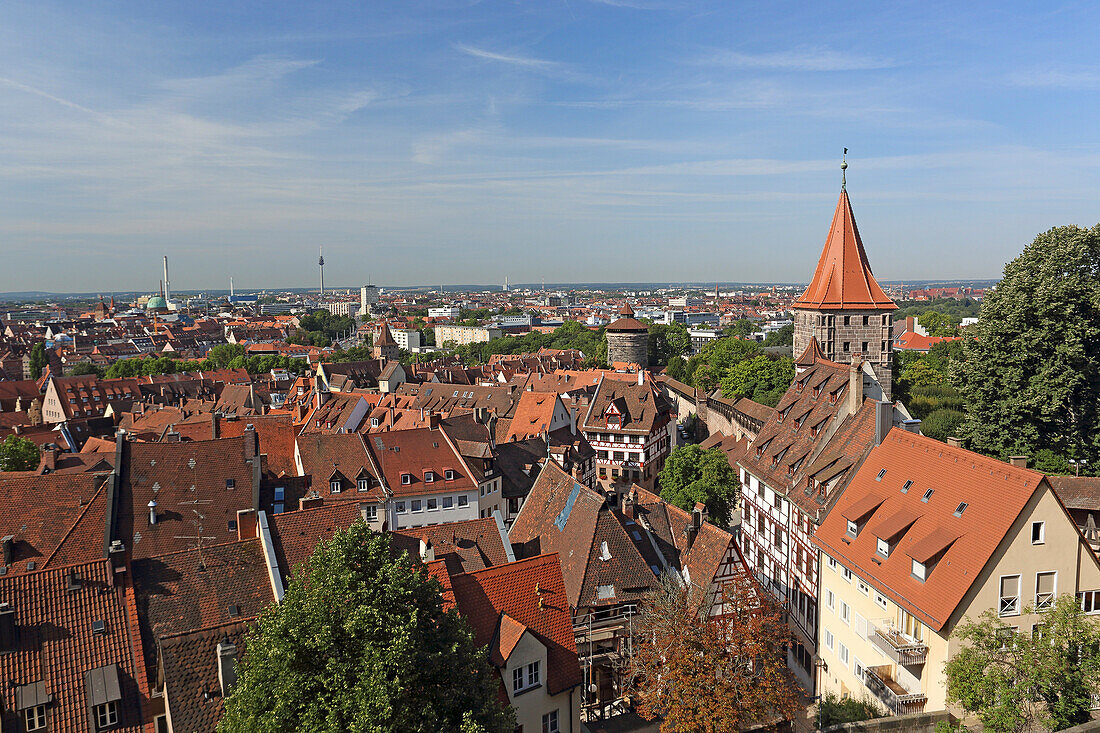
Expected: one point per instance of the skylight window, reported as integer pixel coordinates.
(905, 487)
(880, 475)
(960, 509)
(927, 495)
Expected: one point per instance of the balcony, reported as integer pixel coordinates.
(880, 680)
(903, 649)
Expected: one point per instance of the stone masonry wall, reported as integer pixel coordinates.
(628, 346)
(833, 334)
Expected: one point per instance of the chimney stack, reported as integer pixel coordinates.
(641, 377)
(573, 420)
(954, 442)
(1018, 461)
(427, 552)
(8, 544)
(884, 420)
(855, 384)
(227, 665)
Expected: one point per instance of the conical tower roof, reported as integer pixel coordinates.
(843, 278)
(385, 338)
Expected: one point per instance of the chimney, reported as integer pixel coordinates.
(152, 511)
(227, 665)
(215, 426)
(693, 528)
(320, 394)
(8, 544)
(1018, 461)
(49, 456)
(116, 554)
(427, 552)
(884, 420)
(911, 426)
(172, 437)
(311, 501)
(641, 377)
(7, 628)
(855, 384)
(954, 442)
(572, 420)
(628, 504)
(251, 440)
(479, 415)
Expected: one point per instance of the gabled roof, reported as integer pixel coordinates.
(192, 687)
(843, 278)
(995, 493)
(529, 593)
(294, 535)
(466, 546)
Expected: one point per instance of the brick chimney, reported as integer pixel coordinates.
(1018, 461)
(311, 501)
(227, 665)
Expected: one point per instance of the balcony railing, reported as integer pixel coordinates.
(880, 680)
(902, 649)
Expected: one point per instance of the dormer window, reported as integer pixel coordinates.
(883, 547)
(334, 486)
(449, 474)
(429, 477)
(853, 529)
(406, 478)
(375, 422)
(920, 572)
(35, 718)
(364, 484)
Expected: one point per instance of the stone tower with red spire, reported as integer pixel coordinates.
(844, 308)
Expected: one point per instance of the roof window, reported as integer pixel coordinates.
(905, 486)
(960, 509)
(927, 495)
(880, 475)
(406, 478)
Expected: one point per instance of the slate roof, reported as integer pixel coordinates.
(995, 494)
(56, 644)
(192, 688)
(498, 600)
(843, 278)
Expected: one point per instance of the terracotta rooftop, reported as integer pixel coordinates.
(192, 687)
(1077, 492)
(296, 534)
(467, 546)
(960, 543)
(843, 279)
(503, 602)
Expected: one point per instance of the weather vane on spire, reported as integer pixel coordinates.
(843, 168)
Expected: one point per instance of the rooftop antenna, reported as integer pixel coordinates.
(198, 536)
(321, 264)
(843, 169)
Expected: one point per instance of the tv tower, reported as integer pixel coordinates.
(321, 264)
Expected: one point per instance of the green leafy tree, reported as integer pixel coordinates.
(942, 424)
(692, 475)
(1031, 375)
(667, 342)
(761, 378)
(38, 360)
(18, 454)
(707, 368)
(220, 356)
(86, 367)
(361, 642)
(782, 337)
(1016, 681)
(939, 324)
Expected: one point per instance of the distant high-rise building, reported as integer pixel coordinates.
(844, 308)
(368, 296)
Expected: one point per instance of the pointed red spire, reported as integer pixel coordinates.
(843, 279)
(812, 354)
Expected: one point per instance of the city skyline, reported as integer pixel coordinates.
(468, 142)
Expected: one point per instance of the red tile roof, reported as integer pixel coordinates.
(56, 644)
(530, 594)
(843, 278)
(414, 453)
(192, 687)
(474, 544)
(296, 534)
(995, 494)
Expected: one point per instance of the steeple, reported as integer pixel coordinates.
(843, 279)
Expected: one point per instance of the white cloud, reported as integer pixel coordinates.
(802, 59)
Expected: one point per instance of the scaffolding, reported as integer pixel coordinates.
(605, 647)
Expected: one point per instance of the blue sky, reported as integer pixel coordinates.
(459, 142)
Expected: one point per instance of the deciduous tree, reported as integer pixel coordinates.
(1031, 376)
(712, 674)
(18, 454)
(361, 642)
(692, 475)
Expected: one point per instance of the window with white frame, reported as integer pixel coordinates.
(845, 612)
(433, 505)
(417, 505)
(448, 502)
(463, 500)
(364, 484)
(106, 715)
(532, 674)
(1046, 586)
(1010, 596)
(429, 477)
(1090, 601)
(449, 474)
(830, 599)
(883, 547)
(863, 587)
(844, 655)
(1038, 533)
(35, 717)
(400, 507)
(829, 639)
(847, 575)
(857, 668)
(371, 513)
(832, 563)
(334, 486)
(550, 722)
(406, 478)
(880, 600)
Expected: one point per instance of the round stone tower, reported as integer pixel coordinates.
(628, 339)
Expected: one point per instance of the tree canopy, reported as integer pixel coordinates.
(18, 454)
(1031, 377)
(38, 360)
(667, 342)
(762, 379)
(692, 475)
(716, 674)
(1014, 681)
(361, 642)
